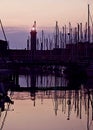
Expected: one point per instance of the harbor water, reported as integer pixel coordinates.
(63, 109)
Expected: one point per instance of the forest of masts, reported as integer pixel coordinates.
(65, 35)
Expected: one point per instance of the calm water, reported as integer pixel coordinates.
(48, 110)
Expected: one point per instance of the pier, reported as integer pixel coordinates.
(56, 56)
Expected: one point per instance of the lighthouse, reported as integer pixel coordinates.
(33, 34)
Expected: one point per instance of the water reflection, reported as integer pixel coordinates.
(5, 102)
(42, 81)
(71, 103)
(50, 109)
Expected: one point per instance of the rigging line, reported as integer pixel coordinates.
(90, 123)
(6, 112)
(0, 112)
(3, 32)
(4, 117)
(91, 19)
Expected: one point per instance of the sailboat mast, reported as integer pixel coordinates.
(4, 32)
(88, 24)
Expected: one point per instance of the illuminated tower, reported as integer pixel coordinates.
(33, 37)
(33, 40)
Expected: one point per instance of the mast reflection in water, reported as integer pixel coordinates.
(42, 81)
(50, 109)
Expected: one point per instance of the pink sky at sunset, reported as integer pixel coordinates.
(18, 16)
(24, 12)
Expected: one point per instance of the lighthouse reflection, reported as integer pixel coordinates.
(68, 104)
(50, 102)
(77, 100)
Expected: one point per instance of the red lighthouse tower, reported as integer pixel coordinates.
(33, 34)
(33, 37)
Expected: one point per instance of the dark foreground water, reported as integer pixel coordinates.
(48, 110)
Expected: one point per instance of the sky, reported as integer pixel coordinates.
(45, 12)
(18, 16)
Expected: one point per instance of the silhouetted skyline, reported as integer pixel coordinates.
(18, 16)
